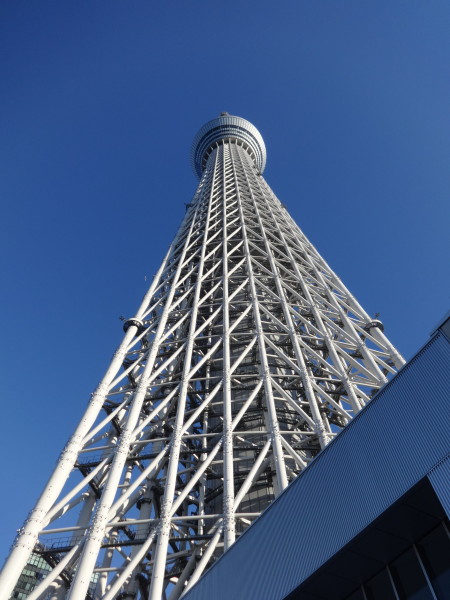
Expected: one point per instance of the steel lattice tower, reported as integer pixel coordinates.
(246, 357)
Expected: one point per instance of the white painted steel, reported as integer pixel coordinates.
(246, 357)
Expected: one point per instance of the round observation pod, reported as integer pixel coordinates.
(227, 127)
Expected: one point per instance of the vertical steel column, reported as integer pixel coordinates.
(28, 534)
(157, 583)
(95, 535)
(274, 427)
(320, 429)
(228, 470)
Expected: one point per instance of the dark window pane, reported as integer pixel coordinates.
(358, 595)
(380, 587)
(435, 553)
(409, 578)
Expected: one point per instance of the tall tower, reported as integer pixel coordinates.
(246, 357)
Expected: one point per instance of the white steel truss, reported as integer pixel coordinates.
(247, 356)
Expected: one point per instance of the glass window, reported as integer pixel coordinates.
(358, 595)
(409, 578)
(380, 587)
(434, 550)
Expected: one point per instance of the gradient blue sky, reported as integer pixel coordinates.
(99, 102)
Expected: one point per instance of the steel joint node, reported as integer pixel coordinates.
(374, 324)
(136, 322)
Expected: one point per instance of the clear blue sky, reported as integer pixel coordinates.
(99, 102)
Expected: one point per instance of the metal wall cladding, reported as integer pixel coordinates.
(393, 443)
(439, 478)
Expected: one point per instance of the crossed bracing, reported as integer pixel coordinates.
(247, 357)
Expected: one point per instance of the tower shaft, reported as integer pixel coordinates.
(247, 357)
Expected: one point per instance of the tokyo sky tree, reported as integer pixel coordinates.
(247, 356)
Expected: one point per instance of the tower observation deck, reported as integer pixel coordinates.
(247, 356)
(232, 130)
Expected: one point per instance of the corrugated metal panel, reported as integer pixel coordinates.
(388, 447)
(439, 478)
